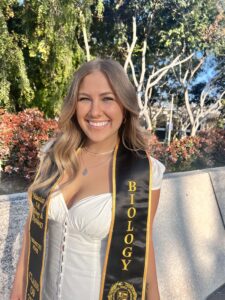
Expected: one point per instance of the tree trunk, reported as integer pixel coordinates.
(148, 120)
(193, 130)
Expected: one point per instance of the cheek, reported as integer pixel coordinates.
(80, 111)
(117, 112)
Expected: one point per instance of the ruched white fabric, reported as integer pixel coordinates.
(76, 244)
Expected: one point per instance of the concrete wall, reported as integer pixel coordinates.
(189, 235)
(13, 212)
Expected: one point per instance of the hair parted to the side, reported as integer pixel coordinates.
(60, 156)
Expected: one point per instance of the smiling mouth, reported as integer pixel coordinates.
(98, 124)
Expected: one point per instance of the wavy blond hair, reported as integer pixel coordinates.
(59, 155)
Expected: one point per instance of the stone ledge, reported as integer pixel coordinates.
(12, 184)
(217, 176)
(14, 197)
(219, 294)
(218, 183)
(194, 172)
(188, 237)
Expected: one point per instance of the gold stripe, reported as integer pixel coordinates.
(147, 231)
(46, 221)
(112, 221)
(28, 255)
(45, 232)
(44, 248)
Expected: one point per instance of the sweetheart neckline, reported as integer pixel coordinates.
(81, 200)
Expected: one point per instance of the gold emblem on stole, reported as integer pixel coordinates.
(122, 290)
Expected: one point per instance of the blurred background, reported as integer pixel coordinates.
(172, 51)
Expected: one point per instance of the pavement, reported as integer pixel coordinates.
(188, 235)
(13, 212)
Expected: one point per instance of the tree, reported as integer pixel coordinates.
(46, 41)
(162, 33)
(149, 38)
(52, 49)
(210, 96)
(145, 84)
(16, 92)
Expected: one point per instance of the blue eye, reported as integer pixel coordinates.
(83, 99)
(108, 99)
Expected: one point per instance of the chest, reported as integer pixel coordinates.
(88, 181)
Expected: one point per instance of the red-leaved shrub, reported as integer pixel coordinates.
(156, 148)
(21, 136)
(205, 150)
(212, 147)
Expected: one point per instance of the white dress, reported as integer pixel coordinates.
(76, 244)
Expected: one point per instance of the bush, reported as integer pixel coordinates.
(190, 153)
(22, 135)
(156, 148)
(181, 154)
(212, 147)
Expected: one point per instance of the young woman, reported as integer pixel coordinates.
(94, 198)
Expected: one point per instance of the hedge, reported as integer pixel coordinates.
(22, 135)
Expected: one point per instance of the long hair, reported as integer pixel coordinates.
(60, 156)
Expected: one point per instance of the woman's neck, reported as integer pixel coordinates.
(101, 147)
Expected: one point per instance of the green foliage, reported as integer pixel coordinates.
(53, 49)
(42, 42)
(194, 25)
(15, 89)
(41, 45)
(168, 25)
(99, 9)
(221, 119)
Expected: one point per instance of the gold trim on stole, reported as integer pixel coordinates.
(44, 246)
(147, 230)
(112, 221)
(112, 224)
(45, 232)
(28, 257)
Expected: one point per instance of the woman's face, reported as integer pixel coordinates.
(99, 112)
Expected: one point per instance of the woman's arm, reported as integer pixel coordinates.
(152, 291)
(19, 284)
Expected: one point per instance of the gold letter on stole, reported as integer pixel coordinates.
(129, 226)
(127, 252)
(125, 264)
(131, 212)
(129, 238)
(132, 186)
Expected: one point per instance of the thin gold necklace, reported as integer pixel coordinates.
(85, 170)
(97, 153)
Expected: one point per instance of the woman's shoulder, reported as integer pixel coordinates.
(157, 165)
(158, 170)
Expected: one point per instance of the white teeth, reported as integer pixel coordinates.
(98, 124)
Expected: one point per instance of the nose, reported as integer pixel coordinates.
(96, 109)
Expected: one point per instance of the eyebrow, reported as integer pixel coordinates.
(102, 94)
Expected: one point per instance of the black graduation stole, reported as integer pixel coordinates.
(126, 260)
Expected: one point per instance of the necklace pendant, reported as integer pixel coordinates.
(85, 172)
